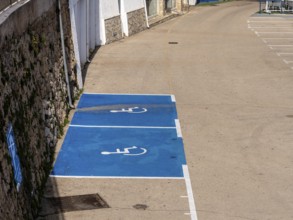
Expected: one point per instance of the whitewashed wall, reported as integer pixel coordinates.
(132, 5)
(110, 8)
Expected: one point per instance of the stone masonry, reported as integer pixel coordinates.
(136, 21)
(113, 28)
(33, 99)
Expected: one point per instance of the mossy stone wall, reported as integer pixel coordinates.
(33, 98)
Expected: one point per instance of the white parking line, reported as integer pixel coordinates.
(110, 126)
(278, 38)
(116, 177)
(290, 27)
(192, 207)
(281, 45)
(274, 32)
(284, 54)
(178, 128)
(266, 40)
(287, 61)
(281, 21)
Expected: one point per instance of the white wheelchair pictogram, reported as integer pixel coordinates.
(134, 110)
(126, 151)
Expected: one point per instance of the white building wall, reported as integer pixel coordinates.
(110, 8)
(192, 2)
(132, 5)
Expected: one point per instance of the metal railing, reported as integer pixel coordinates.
(6, 3)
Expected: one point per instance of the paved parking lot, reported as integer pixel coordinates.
(234, 97)
(276, 31)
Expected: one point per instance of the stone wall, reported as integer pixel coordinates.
(113, 28)
(33, 99)
(136, 21)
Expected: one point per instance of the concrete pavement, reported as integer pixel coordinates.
(234, 99)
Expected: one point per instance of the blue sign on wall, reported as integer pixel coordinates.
(14, 156)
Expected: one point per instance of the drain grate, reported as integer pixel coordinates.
(56, 205)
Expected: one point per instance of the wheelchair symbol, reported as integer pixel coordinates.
(126, 151)
(134, 110)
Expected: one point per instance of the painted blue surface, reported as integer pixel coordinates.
(99, 110)
(14, 156)
(81, 153)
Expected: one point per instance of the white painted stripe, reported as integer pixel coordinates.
(89, 93)
(103, 126)
(178, 128)
(286, 21)
(267, 18)
(184, 196)
(289, 27)
(284, 54)
(287, 61)
(274, 32)
(278, 38)
(192, 207)
(173, 98)
(114, 177)
(280, 45)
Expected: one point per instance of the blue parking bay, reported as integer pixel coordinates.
(120, 152)
(125, 110)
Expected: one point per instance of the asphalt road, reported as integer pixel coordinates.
(234, 97)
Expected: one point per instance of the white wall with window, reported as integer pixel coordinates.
(152, 7)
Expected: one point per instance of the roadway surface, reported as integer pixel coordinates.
(233, 85)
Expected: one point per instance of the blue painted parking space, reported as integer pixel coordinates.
(125, 110)
(120, 152)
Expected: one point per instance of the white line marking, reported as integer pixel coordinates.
(280, 45)
(178, 128)
(173, 98)
(103, 126)
(269, 21)
(289, 27)
(287, 61)
(267, 18)
(89, 93)
(189, 193)
(275, 32)
(278, 38)
(284, 54)
(114, 177)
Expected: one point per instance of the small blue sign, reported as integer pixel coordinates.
(125, 110)
(14, 156)
(120, 152)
